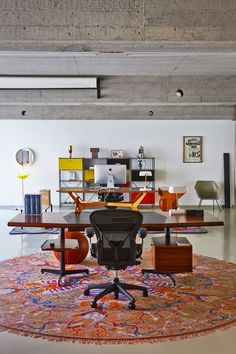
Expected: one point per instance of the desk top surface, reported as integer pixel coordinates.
(104, 190)
(151, 220)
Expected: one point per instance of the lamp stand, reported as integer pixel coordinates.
(145, 174)
(23, 193)
(145, 187)
(22, 175)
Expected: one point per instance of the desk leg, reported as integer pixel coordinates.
(78, 204)
(62, 271)
(167, 235)
(133, 204)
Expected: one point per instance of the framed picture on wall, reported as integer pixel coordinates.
(192, 149)
(117, 154)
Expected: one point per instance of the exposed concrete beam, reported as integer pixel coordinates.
(129, 64)
(120, 111)
(136, 89)
(118, 46)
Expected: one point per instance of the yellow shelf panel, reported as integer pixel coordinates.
(88, 174)
(70, 164)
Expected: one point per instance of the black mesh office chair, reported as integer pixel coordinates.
(116, 232)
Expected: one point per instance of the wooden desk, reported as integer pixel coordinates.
(81, 204)
(152, 220)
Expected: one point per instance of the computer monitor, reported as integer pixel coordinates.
(110, 174)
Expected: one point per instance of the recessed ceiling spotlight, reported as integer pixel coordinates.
(179, 93)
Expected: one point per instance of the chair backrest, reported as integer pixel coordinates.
(45, 198)
(116, 232)
(207, 189)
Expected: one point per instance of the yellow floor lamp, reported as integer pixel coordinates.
(24, 157)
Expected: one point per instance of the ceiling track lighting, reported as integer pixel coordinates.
(30, 82)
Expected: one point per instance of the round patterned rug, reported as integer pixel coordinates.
(32, 304)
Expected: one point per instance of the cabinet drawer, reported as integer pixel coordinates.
(70, 164)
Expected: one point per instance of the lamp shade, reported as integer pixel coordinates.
(23, 175)
(177, 189)
(145, 173)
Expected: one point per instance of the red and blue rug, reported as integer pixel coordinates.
(33, 231)
(31, 304)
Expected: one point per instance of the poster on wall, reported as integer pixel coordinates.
(192, 149)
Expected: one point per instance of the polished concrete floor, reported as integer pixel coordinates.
(219, 242)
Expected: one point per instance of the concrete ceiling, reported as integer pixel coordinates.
(113, 20)
(143, 50)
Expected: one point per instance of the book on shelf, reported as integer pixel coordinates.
(33, 204)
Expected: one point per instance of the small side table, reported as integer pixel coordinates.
(171, 255)
(61, 245)
(174, 256)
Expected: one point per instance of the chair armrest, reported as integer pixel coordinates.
(142, 233)
(93, 246)
(89, 232)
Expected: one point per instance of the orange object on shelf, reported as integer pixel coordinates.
(167, 200)
(75, 256)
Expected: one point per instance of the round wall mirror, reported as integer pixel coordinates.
(25, 157)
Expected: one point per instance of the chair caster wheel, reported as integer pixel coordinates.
(93, 305)
(86, 292)
(131, 306)
(145, 293)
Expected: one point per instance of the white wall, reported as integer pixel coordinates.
(162, 139)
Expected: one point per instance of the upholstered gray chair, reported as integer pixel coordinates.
(208, 190)
(116, 249)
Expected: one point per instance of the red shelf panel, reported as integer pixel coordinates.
(148, 199)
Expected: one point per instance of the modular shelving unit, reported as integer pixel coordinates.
(79, 172)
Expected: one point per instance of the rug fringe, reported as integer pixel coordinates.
(113, 340)
(116, 341)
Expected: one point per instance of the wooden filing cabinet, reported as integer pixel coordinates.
(171, 257)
